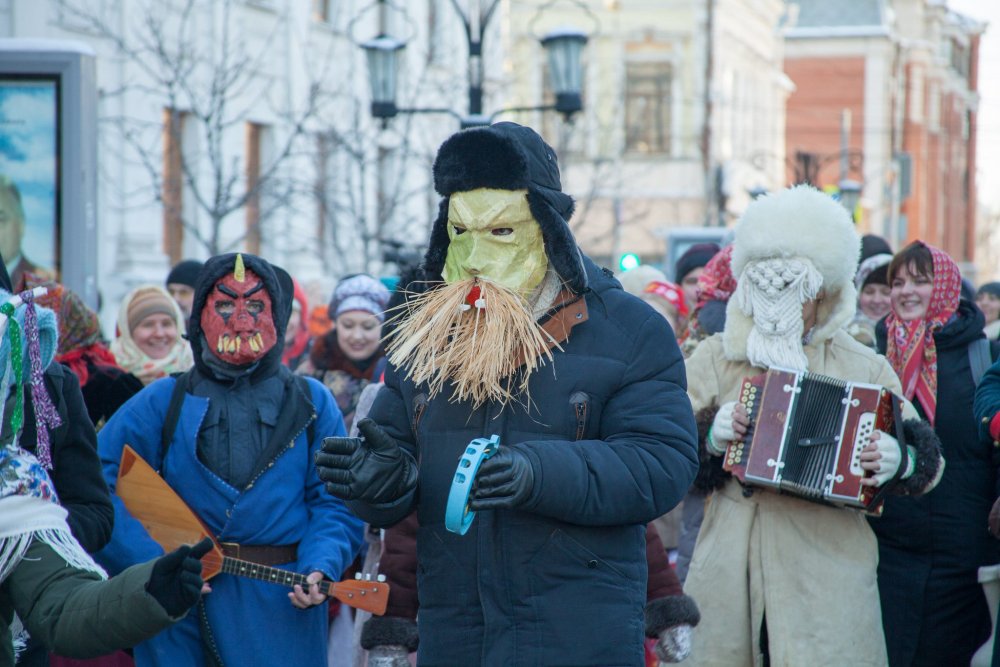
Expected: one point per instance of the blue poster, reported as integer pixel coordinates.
(28, 175)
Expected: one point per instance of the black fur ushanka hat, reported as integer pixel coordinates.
(507, 156)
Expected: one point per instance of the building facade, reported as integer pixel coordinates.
(680, 96)
(886, 95)
(230, 125)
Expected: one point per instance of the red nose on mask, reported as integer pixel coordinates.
(238, 319)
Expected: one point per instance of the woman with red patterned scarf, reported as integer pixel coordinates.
(105, 385)
(715, 285)
(931, 547)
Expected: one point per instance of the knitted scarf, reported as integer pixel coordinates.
(26, 350)
(911, 349)
(79, 360)
(137, 362)
(79, 325)
(716, 282)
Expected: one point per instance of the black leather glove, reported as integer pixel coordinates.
(504, 481)
(373, 468)
(176, 579)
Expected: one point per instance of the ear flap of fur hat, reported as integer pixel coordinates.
(803, 222)
(507, 156)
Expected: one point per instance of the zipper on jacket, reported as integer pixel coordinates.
(291, 443)
(419, 405)
(581, 406)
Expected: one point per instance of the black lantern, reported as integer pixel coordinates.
(383, 66)
(564, 48)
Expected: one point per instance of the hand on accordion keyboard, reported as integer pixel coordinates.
(883, 456)
(730, 423)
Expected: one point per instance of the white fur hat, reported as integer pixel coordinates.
(634, 281)
(802, 222)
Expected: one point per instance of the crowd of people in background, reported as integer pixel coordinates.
(226, 370)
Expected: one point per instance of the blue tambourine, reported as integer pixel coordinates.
(457, 516)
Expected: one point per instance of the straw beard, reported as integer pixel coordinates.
(485, 347)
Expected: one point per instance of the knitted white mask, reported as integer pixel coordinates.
(771, 292)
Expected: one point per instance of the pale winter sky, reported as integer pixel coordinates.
(988, 153)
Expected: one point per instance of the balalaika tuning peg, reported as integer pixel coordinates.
(357, 575)
(380, 578)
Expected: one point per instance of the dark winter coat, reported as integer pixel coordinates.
(107, 389)
(612, 442)
(77, 472)
(987, 405)
(73, 611)
(399, 564)
(77, 469)
(931, 547)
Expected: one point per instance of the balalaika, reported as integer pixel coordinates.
(806, 435)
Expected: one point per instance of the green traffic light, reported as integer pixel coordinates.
(629, 260)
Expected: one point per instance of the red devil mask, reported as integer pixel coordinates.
(238, 318)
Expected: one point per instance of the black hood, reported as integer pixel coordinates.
(965, 327)
(507, 156)
(215, 268)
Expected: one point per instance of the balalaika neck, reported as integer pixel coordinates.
(245, 568)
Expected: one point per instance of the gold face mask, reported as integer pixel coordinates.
(494, 236)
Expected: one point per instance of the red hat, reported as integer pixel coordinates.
(669, 292)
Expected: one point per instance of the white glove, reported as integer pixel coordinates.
(673, 644)
(722, 432)
(888, 447)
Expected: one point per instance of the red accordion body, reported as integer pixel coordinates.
(806, 435)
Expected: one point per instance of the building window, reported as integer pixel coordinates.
(321, 10)
(173, 184)
(254, 135)
(958, 56)
(648, 102)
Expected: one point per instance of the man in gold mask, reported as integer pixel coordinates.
(514, 332)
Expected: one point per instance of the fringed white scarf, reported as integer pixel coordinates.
(29, 511)
(771, 292)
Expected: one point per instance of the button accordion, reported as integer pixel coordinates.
(806, 434)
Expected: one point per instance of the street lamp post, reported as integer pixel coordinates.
(563, 47)
(850, 194)
(806, 167)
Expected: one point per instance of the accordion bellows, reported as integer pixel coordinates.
(806, 435)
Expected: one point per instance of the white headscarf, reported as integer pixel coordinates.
(135, 361)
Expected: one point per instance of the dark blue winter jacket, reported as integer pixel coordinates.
(612, 441)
